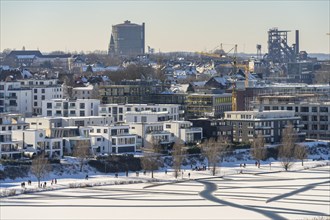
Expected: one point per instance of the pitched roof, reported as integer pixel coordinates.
(25, 52)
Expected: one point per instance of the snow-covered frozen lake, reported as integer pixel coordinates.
(255, 194)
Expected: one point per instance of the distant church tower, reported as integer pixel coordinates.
(111, 49)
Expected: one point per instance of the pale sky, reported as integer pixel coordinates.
(170, 25)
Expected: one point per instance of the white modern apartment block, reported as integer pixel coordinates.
(70, 107)
(9, 123)
(8, 147)
(112, 139)
(150, 133)
(55, 126)
(15, 99)
(35, 141)
(74, 129)
(183, 131)
(147, 117)
(270, 124)
(120, 112)
(42, 89)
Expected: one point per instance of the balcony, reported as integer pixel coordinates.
(262, 127)
(11, 97)
(193, 130)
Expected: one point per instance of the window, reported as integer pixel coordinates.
(304, 118)
(120, 110)
(35, 104)
(49, 105)
(82, 113)
(105, 131)
(42, 90)
(35, 97)
(35, 90)
(304, 109)
(168, 126)
(98, 130)
(42, 97)
(82, 105)
(143, 119)
(324, 127)
(323, 109)
(49, 113)
(323, 118)
(314, 109)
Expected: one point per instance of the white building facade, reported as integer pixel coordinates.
(70, 108)
(120, 112)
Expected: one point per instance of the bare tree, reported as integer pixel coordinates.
(287, 148)
(301, 153)
(177, 156)
(40, 167)
(258, 150)
(81, 151)
(151, 161)
(214, 150)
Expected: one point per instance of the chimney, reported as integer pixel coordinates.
(297, 42)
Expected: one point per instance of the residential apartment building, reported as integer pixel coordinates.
(208, 105)
(54, 126)
(15, 99)
(150, 133)
(88, 92)
(42, 89)
(270, 124)
(35, 141)
(10, 148)
(314, 112)
(112, 139)
(131, 91)
(128, 112)
(70, 107)
(184, 131)
(214, 128)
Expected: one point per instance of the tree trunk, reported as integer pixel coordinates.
(81, 166)
(152, 174)
(302, 162)
(39, 183)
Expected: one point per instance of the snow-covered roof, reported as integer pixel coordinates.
(223, 81)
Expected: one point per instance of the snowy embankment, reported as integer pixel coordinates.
(10, 188)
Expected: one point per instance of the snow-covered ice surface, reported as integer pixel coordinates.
(265, 193)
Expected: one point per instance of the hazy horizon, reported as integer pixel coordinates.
(170, 25)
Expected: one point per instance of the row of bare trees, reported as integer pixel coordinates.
(214, 150)
(41, 167)
(289, 150)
